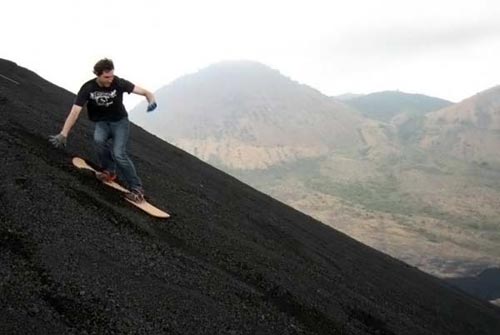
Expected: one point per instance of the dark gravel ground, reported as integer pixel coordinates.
(485, 286)
(75, 258)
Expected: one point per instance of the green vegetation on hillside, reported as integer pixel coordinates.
(383, 106)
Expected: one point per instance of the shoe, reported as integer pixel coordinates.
(106, 176)
(135, 195)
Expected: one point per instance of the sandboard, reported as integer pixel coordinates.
(145, 206)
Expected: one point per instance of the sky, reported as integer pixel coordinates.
(444, 48)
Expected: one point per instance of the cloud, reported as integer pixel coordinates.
(400, 40)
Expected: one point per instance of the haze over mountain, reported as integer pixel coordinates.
(376, 181)
(347, 96)
(77, 259)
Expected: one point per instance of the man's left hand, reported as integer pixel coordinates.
(58, 141)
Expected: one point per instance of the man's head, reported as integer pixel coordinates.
(104, 70)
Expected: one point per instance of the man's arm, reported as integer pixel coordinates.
(141, 91)
(59, 140)
(71, 119)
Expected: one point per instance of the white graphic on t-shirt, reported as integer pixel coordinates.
(103, 98)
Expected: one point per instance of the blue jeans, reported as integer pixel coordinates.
(113, 155)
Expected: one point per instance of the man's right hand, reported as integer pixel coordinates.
(58, 141)
(152, 106)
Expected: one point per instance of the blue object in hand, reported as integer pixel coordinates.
(152, 106)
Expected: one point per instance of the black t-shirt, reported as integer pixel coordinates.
(104, 103)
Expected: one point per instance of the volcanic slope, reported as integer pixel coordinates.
(75, 258)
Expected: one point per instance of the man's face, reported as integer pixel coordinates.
(106, 78)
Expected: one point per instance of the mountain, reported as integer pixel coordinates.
(486, 285)
(76, 258)
(244, 114)
(469, 130)
(383, 106)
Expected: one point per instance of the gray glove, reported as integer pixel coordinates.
(59, 140)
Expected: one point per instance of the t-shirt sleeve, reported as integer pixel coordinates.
(126, 85)
(82, 96)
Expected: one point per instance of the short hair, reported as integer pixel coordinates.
(104, 65)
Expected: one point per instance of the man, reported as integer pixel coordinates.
(104, 98)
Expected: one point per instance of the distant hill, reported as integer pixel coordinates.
(469, 130)
(244, 114)
(383, 106)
